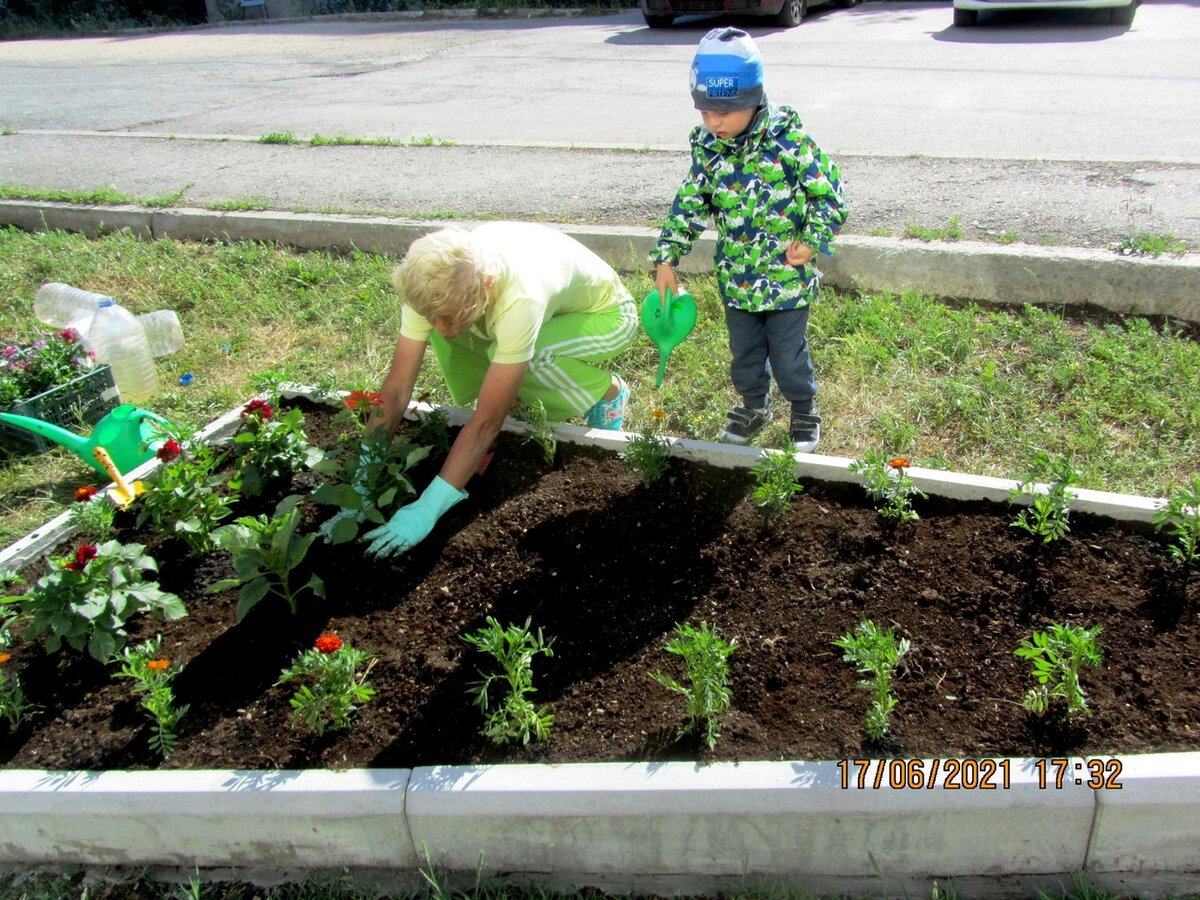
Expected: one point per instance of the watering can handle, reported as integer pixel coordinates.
(666, 305)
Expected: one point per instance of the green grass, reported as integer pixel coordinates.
(1146, 243)
(970, 388)
(952, 232)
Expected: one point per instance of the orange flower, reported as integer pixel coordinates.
(158, 665)
(5, 657)
(85, 493)
(328, 643)
(900, 462)
(659, 414)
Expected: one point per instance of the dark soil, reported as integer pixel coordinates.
(607, 567)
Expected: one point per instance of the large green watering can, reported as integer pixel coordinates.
(667, 326)
(128, 433)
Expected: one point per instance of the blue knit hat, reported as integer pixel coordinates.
(727, 72)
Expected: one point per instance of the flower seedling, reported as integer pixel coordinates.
(86, 599)
(887, 483)
(366, 485)
(47, 362)
(335, 685)
(706, 658)
(514, 717)
(187, 497)
(14, 705)
(875, 654)
(270, 446)
(541, 431)
(1180, 515)
(1057, 657)
(152, 674)
(1049, 506)
(648, 455)
(265, 551)
(430, 428)
(93, 519)
(775, 481)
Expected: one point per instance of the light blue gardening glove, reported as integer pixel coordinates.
(411, 524)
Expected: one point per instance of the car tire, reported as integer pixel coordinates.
(653, 21)
(965, 18)
(847, 4)
(791, 13)
(1122, 15)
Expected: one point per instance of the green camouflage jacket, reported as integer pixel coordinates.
(766, 188)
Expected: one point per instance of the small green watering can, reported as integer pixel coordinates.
(667, 326)
(128, 433)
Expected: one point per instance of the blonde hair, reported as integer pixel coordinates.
(445, 274)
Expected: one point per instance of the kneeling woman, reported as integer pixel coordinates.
(516, 312)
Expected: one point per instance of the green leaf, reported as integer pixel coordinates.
(249, 596)
(343, 530)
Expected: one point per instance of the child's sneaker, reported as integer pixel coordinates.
(610, 414)
(806, 431)
(745, 423)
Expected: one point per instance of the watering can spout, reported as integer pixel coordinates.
(130, 434)
(73, 442)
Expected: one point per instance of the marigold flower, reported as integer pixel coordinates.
(158, 665)
(362, 398)
(900, 462)
(85, 493)
(328, 643)
(169, 451)
(5, 657)
(260, 408)
(83, 555)
(659, 414)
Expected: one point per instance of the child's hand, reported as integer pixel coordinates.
(799, 254)
(664, 280)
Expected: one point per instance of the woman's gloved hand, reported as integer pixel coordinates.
(411, 524)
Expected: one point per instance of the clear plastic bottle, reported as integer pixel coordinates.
(118, 339)
(164, 334)
(63, 306)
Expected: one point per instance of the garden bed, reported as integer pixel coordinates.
(606, 568)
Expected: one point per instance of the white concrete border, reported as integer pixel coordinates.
(646, 827)
(1016, 274)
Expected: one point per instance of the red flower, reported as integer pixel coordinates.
(85, 493)
(329, 643)
(900, 462)
(169, 451)
(260, 408)
(84, 555)
(70, 335)
(362, 398)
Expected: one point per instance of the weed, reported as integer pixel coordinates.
(952, 232)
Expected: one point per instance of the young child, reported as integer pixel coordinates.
(777, 201)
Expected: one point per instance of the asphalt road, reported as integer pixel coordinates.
(1057, 127)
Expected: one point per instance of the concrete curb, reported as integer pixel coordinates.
(1017, 274)
(665, 828)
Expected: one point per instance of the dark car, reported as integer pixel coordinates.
(661, 13)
